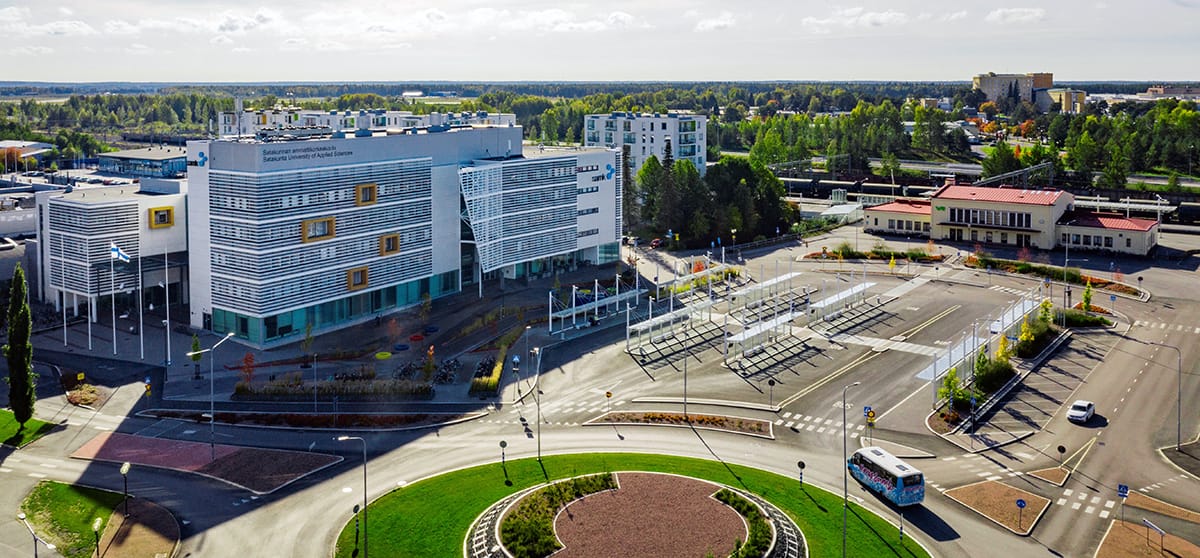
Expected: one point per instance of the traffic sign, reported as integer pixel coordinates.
(1020, 503)
(1112, 298)
(1123, 490)
(79, 376)
(867, 411)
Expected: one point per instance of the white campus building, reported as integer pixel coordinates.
(331, 231)
(648, 134)
(272, 237)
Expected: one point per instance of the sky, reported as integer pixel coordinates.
(613, 40)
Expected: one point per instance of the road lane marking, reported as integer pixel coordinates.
(1060, 501)
(1109, 504)
(1089, 509)
(1075, 506)
(1104, 514)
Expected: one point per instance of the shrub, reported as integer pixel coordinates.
(993, 375)
(1076, 318)
(528, 530)
(1039, 335)
(490, 383)
(760, 531)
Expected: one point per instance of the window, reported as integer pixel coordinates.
(891, 223)
(589, 232)
(1108, 242)
(926, 227)
(389, 244)
(365, 194)
(162, 217)
(317, 229)
(588, 211)
(591, 124)
(1129, 243)
(1003, 238)
(356, 278)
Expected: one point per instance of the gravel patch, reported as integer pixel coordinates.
(1053, 475)
(998, 501)
(658, 515)
(1129, 540)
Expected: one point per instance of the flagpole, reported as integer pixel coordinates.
(167, 296)
(141, 325)
(112, 285)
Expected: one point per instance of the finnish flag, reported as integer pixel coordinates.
(117, 254)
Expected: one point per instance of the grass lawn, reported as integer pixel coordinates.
(431, 518)
(63, 514)
(34, 429)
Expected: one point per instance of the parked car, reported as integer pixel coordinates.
(656, 243)
(1081, 411)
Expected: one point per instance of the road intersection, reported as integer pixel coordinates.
(885, 341)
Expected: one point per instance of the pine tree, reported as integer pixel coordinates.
(22, 383)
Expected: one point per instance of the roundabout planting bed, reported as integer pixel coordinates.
(431, 518)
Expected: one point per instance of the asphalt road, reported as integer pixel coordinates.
(1132, 383)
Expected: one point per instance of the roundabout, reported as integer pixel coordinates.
(455, 513)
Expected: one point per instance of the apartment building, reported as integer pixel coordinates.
(649, 134)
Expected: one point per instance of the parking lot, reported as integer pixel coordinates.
(1036, 400)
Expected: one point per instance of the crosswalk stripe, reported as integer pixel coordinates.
(790, 424)
(1104, 514)
(1089, 509)
(1060, 501)
(778, 422)
(1109, 504)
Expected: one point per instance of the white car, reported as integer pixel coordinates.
(1081, 411)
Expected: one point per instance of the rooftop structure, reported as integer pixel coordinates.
(151, 162)
(251, 122)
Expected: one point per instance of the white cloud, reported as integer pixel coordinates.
(120, 27)
(65, 11)
(139, 49)
(242, 49)
(62, 28)
(29, 50)
(724, 20)
(620, 20)
(331, 46)
(13, 13)
(1005, 16)
(237, 23)
(221, 40)
(293, 43)
(954, 16)
(855, 17)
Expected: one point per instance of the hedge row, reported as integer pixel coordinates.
(528, 530)
(377, 390)
(760, 531)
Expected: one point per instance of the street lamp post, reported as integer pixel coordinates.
(537, 398)
(125, 477)
(845, 480)
(364, 508)
(36, 539)
(96, 523)
(212, 398)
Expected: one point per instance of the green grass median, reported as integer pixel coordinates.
(33, 430)
(430, 518)
(63, 514)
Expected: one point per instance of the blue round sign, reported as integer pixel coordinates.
(1020, 503)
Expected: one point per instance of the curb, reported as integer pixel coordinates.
(148, 413)
(711, 402)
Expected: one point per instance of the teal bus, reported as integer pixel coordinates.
(886, 474)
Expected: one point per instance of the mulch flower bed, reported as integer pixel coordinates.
(1053, 475)
(716, 422)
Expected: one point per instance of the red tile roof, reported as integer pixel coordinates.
(999, 195)
(915, 207)
(1109, 221)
